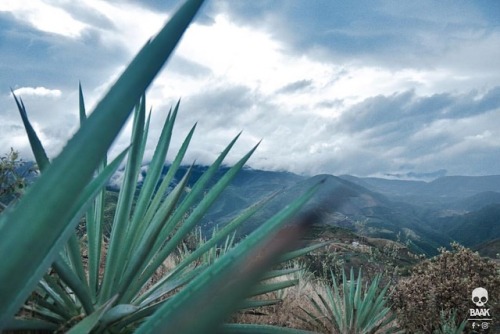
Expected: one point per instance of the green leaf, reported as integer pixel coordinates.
(77, 286)
(224, 232)
(116, 257)
(226, 282)
(263, 288)
(259, 329)
(250, 303)
(36, 145)
(88, 323)
(81, 103)
(118, 312)
(42, 215)
(144, 253)
(30, 325)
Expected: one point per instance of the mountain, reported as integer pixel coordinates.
(421, 215)
(473, 228)
(490, 249)
(340, 202)
(477, 201)
(442, 190)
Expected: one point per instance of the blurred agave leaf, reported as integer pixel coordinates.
(226, 282)
(259, 329)
(40, 218)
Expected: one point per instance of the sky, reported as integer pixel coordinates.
(368, 88)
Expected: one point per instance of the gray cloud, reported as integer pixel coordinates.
(429, 123)
(295, 87)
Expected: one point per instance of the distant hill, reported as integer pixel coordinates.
(477, 201)
(473, 228)
(421, 215)
(490, 249)
(340, 202)
(440, 191)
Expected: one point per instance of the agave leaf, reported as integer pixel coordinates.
(94, 225)
(167, 285)
(267, 287)
(302, 251)
(311, 318)
(30, 325)
(144, 252)
(89, 322)
(280, 272)
(324, 310)
(118, 312)
(42, 215)
(192, 197)
(61, 303)
(94, 219)
(81, 104)
(155, 169)
(226, 230)
(43, 162)
(334, 307)
(157, 199)
(36, 145)
(46, 311)
(250, 303)
(116, 257)
(259, 329)
(227, 280)
(75, 284)
(159, 251)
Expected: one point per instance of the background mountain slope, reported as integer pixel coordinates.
(421, 215)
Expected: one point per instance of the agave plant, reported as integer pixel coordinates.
(351, 309)
(113, 290)
(449, 324)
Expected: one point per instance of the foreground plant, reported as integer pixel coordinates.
(118, 294)
(351, 309)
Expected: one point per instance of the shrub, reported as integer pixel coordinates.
(13, 173)
(444, 283)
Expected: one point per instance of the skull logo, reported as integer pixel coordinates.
(480, 296)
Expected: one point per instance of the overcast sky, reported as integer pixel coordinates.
(339, 87)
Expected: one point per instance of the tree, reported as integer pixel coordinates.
(13, 174)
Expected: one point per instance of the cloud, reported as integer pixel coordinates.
(294, 87)
(330, 87)
(44, 17)
(37, 91)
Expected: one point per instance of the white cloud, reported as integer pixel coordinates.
(37, 91)
(316, 111)
(44, 16)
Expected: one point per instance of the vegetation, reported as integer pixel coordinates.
(13, 174)
(112, 285)
(352, 308)
(152, 269)
(445, 283)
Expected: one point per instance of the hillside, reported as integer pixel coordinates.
(443, 190)
(473, 228)
(368, 207)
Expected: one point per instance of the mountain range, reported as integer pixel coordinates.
(421, 215)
